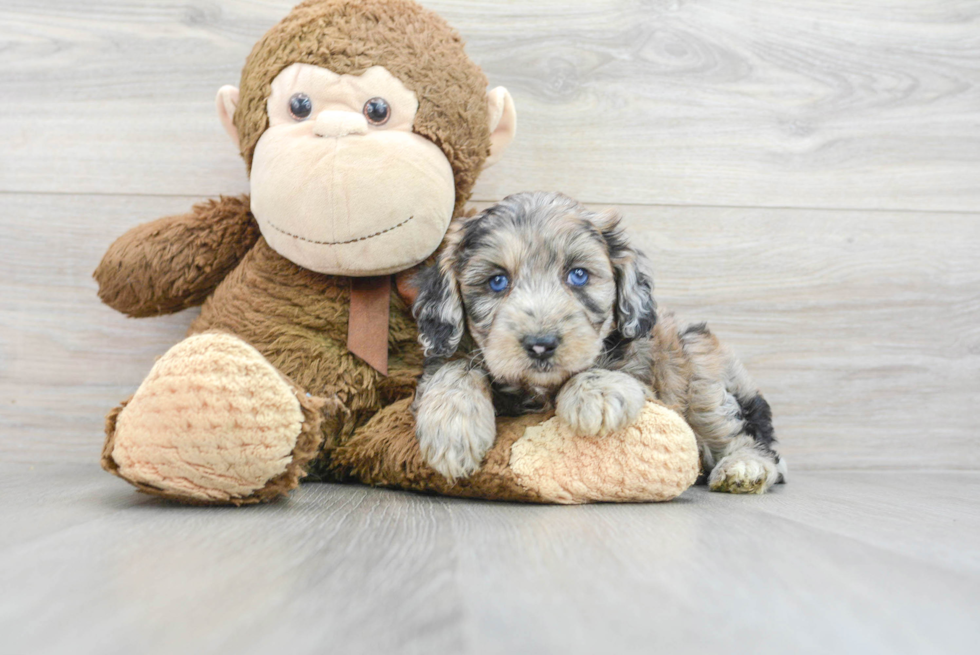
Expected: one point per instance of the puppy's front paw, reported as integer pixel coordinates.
(599, 401)
(744, 472)
(455, 422)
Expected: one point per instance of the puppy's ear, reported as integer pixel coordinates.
(438, 309)
(636, 311)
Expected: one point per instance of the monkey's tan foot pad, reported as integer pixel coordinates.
(653, 459)
(214, 423)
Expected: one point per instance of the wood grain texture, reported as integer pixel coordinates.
(863, 330)
(772, 103)
(852, 562)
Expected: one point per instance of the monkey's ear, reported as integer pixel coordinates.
(226, 102)
(503, 123)
(636, 310)
(438, 310)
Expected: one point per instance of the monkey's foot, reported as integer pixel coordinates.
(214, 423)
(655, 458)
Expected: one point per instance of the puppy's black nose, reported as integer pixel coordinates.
(540, 346)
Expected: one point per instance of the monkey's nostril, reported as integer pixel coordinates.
(540, 346)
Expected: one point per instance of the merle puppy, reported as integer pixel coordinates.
(554, 309)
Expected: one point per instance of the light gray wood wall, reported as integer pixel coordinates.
(804, 173)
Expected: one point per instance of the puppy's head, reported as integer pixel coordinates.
(541, 282)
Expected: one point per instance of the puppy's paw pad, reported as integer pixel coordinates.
(600, 402)
(454, 453)
(742, 475)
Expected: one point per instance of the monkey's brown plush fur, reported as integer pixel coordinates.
(264, 390)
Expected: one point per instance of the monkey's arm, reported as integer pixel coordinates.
(175, 262)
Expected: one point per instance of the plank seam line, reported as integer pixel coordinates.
(199, 197)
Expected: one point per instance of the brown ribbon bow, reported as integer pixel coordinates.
(367, 328)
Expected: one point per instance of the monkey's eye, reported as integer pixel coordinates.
(498, 283)
(377, 111)
(300, 106)
(578, 277)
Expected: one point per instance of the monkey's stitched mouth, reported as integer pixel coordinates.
(339, 243)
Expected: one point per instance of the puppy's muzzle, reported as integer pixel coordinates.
(540, 347)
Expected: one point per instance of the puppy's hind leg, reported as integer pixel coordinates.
(748, 469)
(732, 420)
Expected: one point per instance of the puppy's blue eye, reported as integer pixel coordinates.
(578, 277)
(498, 283)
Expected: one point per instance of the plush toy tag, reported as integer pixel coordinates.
(367, 329)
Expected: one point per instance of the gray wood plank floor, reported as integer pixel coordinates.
(834, 562)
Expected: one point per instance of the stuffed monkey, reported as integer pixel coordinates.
(363, 125)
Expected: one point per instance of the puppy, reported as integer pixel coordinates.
(560, 314)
